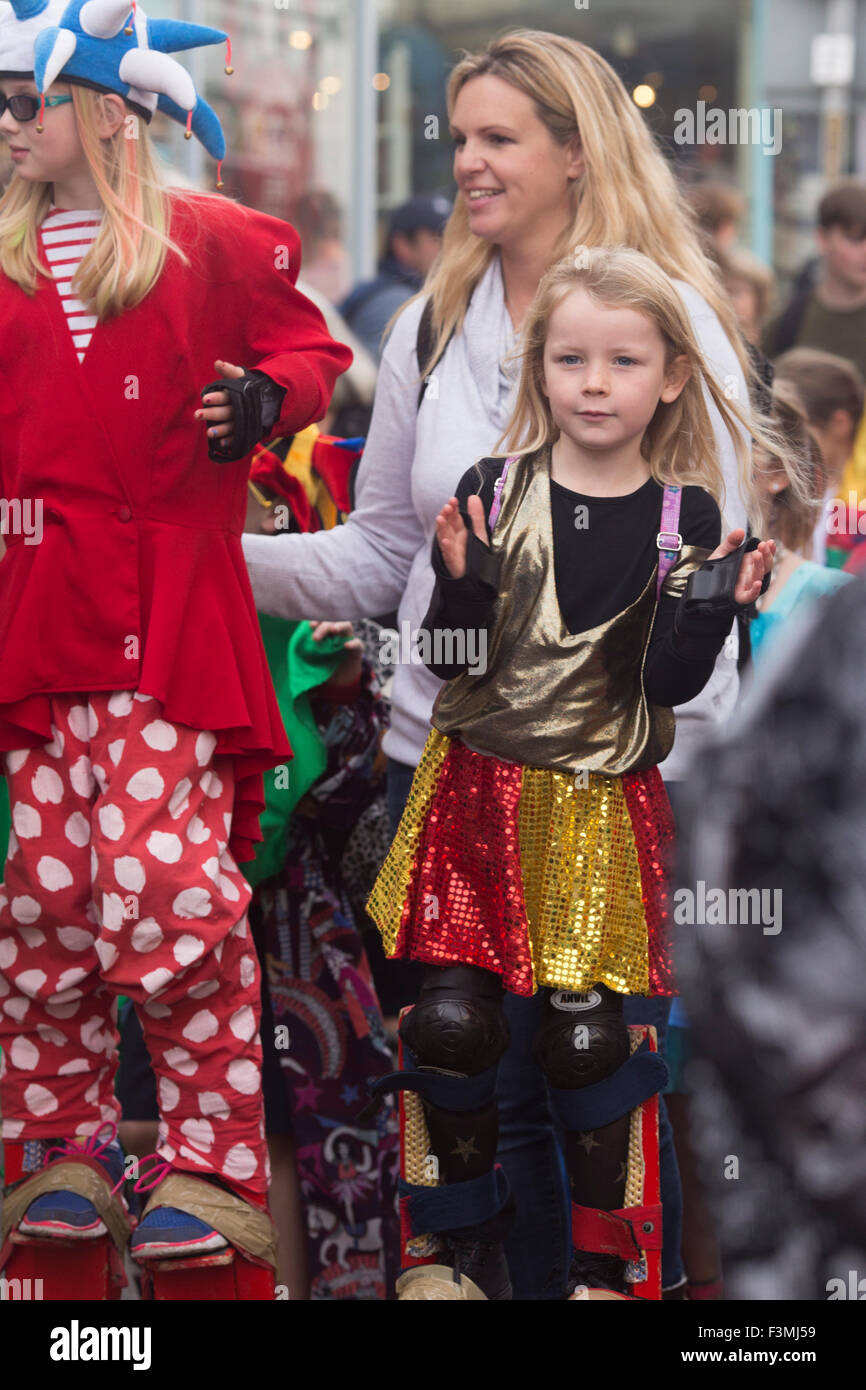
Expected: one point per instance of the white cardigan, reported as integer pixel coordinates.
(412, 463)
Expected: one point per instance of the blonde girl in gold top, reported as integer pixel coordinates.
(532, 851)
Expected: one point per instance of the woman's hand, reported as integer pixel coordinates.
(753, 566)
(217, 408)
(451, 533)
(350, 667)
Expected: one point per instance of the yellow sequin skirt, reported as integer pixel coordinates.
(540, 877)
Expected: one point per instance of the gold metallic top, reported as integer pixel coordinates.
(548, 697)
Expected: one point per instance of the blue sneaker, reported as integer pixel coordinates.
(67, 1215)
(167, 1232)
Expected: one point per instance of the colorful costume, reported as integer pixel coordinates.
(137, 714)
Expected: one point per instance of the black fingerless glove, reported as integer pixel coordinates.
(710, 590)
(256, 402)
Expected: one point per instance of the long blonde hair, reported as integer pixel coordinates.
(679, 443)
(792, 513)
(130, 250)
(627, 194)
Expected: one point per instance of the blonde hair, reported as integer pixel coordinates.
(627, 195)
(792, 513)
(130, 250)
(679, 441)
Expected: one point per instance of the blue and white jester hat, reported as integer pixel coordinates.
(111, 45)
(20, 25)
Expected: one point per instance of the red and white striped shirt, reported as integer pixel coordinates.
(66, 238)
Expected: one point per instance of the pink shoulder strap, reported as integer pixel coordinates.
(668, 540)
(496, 504)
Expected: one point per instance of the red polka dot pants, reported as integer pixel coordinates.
(119, 881)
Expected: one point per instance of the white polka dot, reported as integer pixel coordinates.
(25, 909)
(12, 1128)
(108, 953)
(212, 1103)
(167, 848)
(77, 830)
(47, 785)
(8, 952)
(79, 722)
(156, 1010)
(17, 1008)
(120, 703)
(211, 867)
(199, 1132)
(27, 821)
(201, 1026)
(187, 949)
(30, 982)
(32, 936)
(169, 1094)
(91, 1095)
(92, 1035)
(111, 821)
(247, 971)
(159, 735)
(204, 746)
(193, 1156)
(70, 978)
(142, 698)
(204, 989)
(156, 979)
(64, 1010)
(192, 902)
(15, 761)
(244, 1076)
(13, 845)
(66, 998)
(81, 776)
(179, 799)
(239, 1163)
(115, 750)
(145, 785)
(243, 1023)
(147, 935)
(100, 778)
(180, 1060)
(227, 821)
(197, 831)
(113, 911)
(229, 890)
(24, 1054)
(211, 784)
(78, 1064)
(74, 938)
(129, 873)
(54, 749)
(39, 1100)
(53, 874)
(92, 721)
(240, 928)
(51, 1035)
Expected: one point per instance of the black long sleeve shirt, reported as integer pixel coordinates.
(603, 558)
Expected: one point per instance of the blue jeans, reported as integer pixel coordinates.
(539, 1248)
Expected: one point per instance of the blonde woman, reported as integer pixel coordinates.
(549, 153)
(137, 714)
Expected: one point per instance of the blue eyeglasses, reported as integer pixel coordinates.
(25, 107)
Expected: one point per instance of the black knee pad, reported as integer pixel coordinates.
(458, 1023)
(575, 1049)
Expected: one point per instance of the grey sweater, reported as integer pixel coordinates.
(412, 463)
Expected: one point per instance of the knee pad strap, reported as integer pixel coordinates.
(591, 1107)
(434, 1209)
(439, 1088)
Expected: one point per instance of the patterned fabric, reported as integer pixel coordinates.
(119, 881)
(66, 239)
(542, 878)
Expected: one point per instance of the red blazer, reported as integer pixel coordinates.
(139, 580)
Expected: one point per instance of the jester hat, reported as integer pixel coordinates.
(112, 46)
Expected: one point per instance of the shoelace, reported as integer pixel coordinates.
(92, 1147)
(146, 1182)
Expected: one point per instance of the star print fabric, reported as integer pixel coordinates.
(540, 877)
(119, 881)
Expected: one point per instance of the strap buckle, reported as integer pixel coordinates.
(669, 540)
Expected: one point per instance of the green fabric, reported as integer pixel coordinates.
(5, 819)
(298, 665)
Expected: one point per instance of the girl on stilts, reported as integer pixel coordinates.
(137, 715)
(588, 569)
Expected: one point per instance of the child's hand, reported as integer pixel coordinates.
(451, 533)
(753, 566)
(217, 405)
(350, 667)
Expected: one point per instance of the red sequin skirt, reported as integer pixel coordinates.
(541, 877)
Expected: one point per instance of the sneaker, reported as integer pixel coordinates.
(67, 1215)
(167, 1233)
(483, 1261)
(591, 1271)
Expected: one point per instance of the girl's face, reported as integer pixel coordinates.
(605, 373)
(55, 154)
(512, 176)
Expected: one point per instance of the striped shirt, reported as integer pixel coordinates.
(66, 239)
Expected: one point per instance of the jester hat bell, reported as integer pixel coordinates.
(112, 46)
